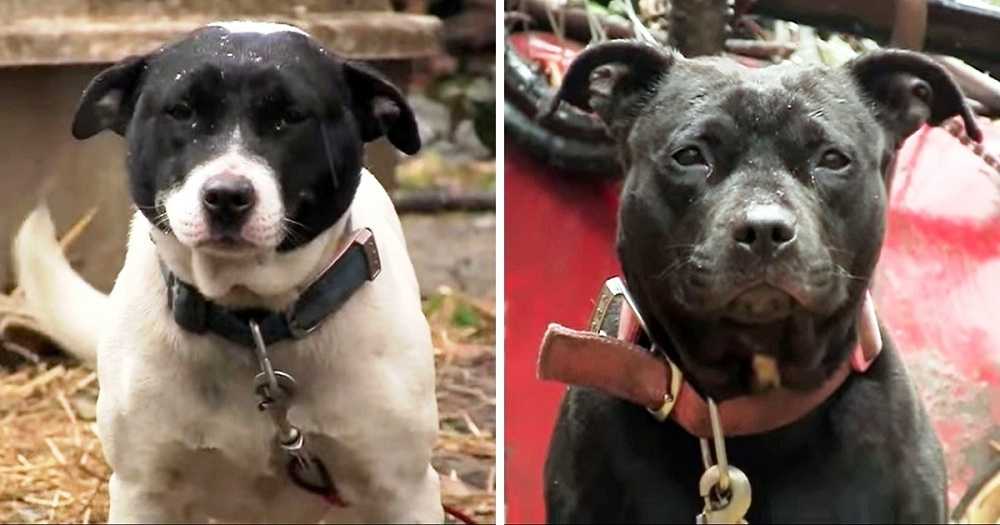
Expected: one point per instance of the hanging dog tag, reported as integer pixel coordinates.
(728, 506)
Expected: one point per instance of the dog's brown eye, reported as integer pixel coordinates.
(833, 160)
(289, 117)
(689, 156)
(294, 115)
(180, 111)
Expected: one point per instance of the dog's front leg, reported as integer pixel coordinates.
(923, 486)
(134, 503)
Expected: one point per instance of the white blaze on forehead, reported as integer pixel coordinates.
(263, 28)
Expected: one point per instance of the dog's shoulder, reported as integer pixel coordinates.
(590, 420)
(373, 208)
(605, 451)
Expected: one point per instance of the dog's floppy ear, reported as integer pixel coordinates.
(908, 90)
(108, 101)
(381, 109)
(613, 79)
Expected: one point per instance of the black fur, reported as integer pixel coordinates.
(304, 110)
(706, 144)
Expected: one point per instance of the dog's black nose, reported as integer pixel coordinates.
(765, 230)
(228, 198)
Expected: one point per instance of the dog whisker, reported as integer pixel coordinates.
(679, 246)
(840, 271)
(292, 221)
(847, 253)
(290, 229)
(160, 220)
(677, 265)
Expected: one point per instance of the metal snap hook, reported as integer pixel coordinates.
(260, 350)
(275, 390)
(725, 489)
(268, 396)
(720, 445)
(724, 506)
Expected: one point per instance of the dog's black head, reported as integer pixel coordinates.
(244, 136)
(753, 210)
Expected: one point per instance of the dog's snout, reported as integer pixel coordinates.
(765, 230)
(228, 198)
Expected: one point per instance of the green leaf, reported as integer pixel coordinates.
(433, 304)
(466, 316)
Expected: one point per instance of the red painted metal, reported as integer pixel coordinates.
(937, 289)
(559, 247)
(547, 50)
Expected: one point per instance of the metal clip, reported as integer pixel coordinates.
(725, 489)
(274, 388)
(269, 396)
(613, 288)
(302, 465)
(728, 506)
(719, 440)
(270, 380)
(669, 399)
(367, 241)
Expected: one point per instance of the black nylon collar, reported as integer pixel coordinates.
(355, 264)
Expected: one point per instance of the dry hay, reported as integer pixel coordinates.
(52, 469)
(463, 330)
(51, 465)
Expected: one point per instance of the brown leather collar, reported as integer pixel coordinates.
(623, 369)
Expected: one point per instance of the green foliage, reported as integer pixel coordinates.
(469, 96)
(465, 316)
(459, 316)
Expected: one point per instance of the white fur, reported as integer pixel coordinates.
(176, 415)
(48, 280)
(186, 214)
(263, 28)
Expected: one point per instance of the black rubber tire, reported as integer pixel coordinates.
(586, 160)
(569, 140)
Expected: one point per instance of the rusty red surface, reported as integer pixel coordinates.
(937, 288)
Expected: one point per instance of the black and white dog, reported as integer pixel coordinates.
(751, 220)
(244, 162)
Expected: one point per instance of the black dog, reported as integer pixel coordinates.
(751, 220)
